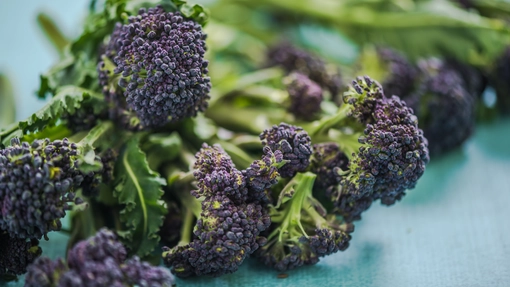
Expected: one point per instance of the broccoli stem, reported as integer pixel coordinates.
(302, 184)
(187, 227)
(325, 124)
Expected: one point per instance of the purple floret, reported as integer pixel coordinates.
(293, 59)
(159, 71)
(305, 96)
(98, 261)
(215, 172)
(37, 184)
(446, 110)
(262, 174)
(16, 254)
(225, 235)
(326, 161)
(401, 74)
(294, 144)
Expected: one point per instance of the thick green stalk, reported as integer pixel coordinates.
(302, 184)
(187, 227)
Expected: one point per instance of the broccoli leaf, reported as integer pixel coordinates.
(139, 189)
(67, 99)
(7, 104)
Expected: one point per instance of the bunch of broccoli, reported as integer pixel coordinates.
(130, 149)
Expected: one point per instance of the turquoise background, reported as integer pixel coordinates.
(453, 229)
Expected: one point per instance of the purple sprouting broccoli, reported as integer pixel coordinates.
(400, 75)
(387, 151)
(445, 108)
(326, 162)
(153, 70)
(293, 59)
(98, 261)
(37, 185)
(294, 144)
(16, 254)
(305, 96)
(262, 174)
(215, 172)
(230, 215)
(301, 231)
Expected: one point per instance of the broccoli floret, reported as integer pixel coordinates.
(98, 261)
(327, 160)
(228, 220)
(37, 185)
(154, 68)
(445, 109)
(294, 144)
(301, 232)
(386, 149)
(16, 254)
(293, 59)
(262, 174)
(391, 68)
(305, 96)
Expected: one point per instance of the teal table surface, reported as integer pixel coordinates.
(453, 229)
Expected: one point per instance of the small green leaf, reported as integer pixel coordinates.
(67, 99)
(139, 190)
(162, 148)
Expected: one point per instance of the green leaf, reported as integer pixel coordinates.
(7, 103)
(67, 99)
(139, 190)
(162, 148)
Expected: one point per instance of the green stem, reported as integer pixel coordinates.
(245, 81)
(96, 133)
(245, 142)
(322, 126)
(187, 228)
(303, 190)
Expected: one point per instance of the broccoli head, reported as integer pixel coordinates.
(445, 109)
(16, 254)
(37, 184)
(293, 59)
(391, 68)
(98, 261)
(294, 144)
(230, 207)
(305, 96)
(386, 149)
(153, 70)
(301, 232)
(327, 160)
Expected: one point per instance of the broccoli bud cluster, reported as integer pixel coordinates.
(401, 74)
(230, 220)
(444, 106)
(37, 185)
(293, 142)
(154, 67)
(305, 96)
(327, 160)
(16, 254)
(293, 59)
(98, 261)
